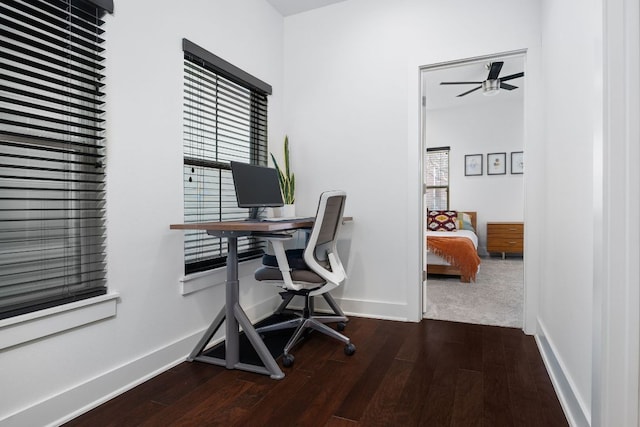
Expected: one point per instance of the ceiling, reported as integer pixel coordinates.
(446, 96)
(291, 7)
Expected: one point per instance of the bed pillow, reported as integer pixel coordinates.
(442, 220)
(464, 222)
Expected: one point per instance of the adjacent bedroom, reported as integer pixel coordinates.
(472, 127)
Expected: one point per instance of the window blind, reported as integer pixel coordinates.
(224, 120)
(437, 178)
(52, 230)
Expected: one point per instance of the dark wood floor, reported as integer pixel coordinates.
(432, 373)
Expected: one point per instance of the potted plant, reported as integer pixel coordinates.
(287, 182)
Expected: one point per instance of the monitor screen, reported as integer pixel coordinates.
(256, 186)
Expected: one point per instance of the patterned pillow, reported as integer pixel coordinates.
(442, 220)
(464, 222)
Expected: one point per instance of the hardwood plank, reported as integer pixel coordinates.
(162, 390)
(473, 348)
(431, 373)
(549, 403)
(438, 407)
(381, 410)
(276, 401)
(468, 401)
(340, 422)
(317, 402)
(367, 385)
(496, 397)
(413, 344)
(411, 402)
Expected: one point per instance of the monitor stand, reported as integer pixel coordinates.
(253, 215)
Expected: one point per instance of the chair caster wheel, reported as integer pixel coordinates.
(287, 360)
(349, 349)
(340, 326)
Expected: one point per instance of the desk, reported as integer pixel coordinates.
(232, 311)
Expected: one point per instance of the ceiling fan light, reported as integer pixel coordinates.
(490, 87)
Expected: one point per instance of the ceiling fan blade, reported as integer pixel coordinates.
(461, 83)
(507, 86)
(494, 72)
(468, 92)
(512, 76)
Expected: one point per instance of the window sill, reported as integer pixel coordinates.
(206, 279)
(39, 324)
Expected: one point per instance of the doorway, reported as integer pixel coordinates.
(480, 119)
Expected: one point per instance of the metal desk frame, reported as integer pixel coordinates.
(232, 312)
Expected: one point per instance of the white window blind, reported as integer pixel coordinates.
(437, 178)
(225, 119)
(52, 172)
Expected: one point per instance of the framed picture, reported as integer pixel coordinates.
(473, 164)
(496, 164)
(517, 162)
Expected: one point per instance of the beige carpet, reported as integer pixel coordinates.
(495, 298)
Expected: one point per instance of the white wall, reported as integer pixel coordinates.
(351, 109)
(573, 123)
(496, 127)
(352, 101)
(155, 325)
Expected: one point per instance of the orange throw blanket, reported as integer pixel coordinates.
(457, 251)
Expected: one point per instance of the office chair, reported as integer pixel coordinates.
(317, 270)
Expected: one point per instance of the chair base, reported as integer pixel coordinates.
(307, 322)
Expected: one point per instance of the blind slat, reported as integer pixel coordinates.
(224, 121)
(52, 193)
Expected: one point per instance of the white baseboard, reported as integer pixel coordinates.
(81, 398)
(369, 309)
(574, 407)
(85, 396)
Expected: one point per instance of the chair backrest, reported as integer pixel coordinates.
(321, 253)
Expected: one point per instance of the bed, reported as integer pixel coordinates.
(454, 252)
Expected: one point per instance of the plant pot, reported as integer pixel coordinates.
(288, 211)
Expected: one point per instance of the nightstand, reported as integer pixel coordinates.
(505, 237)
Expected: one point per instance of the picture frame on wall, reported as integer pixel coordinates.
(517, 162)
(497, 164)
(473, 164)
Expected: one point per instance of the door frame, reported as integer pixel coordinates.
(422, 111)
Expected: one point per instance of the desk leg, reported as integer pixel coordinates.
(236, 317)
(232, 337)
(208, 335)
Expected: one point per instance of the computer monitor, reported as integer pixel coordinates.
(256, 187)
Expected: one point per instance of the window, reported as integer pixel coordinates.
(51, 154)
(436, 178)
(225, 119)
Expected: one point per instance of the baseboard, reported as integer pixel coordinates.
(83, 397)
(361, 308)
(574, 407)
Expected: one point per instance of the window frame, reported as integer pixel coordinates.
(447, 187)
(227, 99)
(52, 134)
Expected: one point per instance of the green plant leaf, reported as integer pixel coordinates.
(286, 178)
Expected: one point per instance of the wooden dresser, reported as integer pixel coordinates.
(505, 237)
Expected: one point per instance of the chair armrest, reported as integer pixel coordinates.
(283, 262)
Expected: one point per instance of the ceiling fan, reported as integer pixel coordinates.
(493, 84)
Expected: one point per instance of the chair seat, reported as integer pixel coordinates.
(271, 273)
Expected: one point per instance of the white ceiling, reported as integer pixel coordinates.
(291, 7)
(445, 96)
